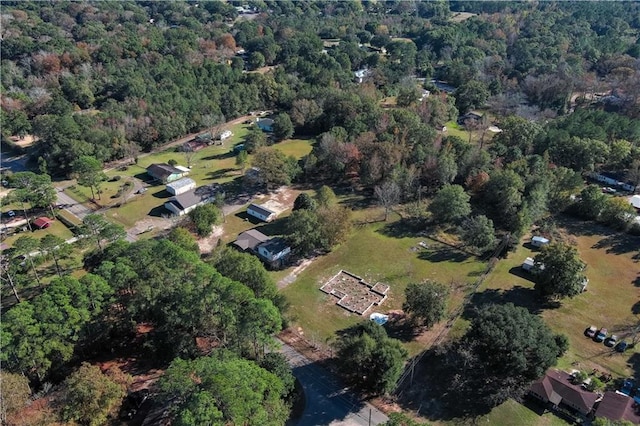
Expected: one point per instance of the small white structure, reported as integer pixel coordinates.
(378, 318)
(538, 241)
(528, 264)
(635, 201)
(181, 186)
(362, 74)
(225, 135)
(261, 212)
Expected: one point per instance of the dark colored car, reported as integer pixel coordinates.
(611, 341)
(602, 334)
(622, 346)
(591, 331)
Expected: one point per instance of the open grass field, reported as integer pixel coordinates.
(513, 413)
(378, 252)
(611, 301)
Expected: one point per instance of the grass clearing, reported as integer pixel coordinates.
(376, 252)
(57, 228)
(513, 413)
(611, 301)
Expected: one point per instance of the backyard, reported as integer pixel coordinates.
(377, 252)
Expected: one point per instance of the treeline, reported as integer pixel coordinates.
(111, 78)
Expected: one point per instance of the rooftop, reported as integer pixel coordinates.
(249, 240)
(261, 210)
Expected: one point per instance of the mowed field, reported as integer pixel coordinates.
(612, 300)
(376, 252)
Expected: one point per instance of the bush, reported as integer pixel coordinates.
(172, 162)
(116, 178)
(203, 218)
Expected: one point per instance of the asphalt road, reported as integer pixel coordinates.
(327, 402)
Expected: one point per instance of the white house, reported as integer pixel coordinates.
(261, 212)
(274, 251)
(181, 186)
(538, 241)
(182, 204)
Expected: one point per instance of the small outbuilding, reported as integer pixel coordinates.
(538, 241)
(225, 135)
(181, 186)
(635, 201)
(261, 212)
(42, 222)
(528, 264)
(265, 124)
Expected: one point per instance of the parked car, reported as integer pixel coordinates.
(608, 190)
(627, 386)
(591, 331)
(622, 346)
(611, 341)
(602, 334)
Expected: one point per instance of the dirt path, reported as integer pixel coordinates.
(294, 273)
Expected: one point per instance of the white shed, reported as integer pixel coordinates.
(538, 241)
(181, 186)
(635, 201)
(261, 212)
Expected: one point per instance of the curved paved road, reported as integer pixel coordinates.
(327, 402)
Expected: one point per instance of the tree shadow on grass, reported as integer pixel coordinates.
(634, 364)
(144, 177)
(402, 228)
(521, 273)
(620, 244)
(527, 298)
(635, 309)
(222, 156)
(403, 329)
(277, 227)
(443, 254)
(221, 173)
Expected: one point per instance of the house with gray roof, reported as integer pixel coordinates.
(185, 202)
(181, 186)
(261, 212)
(166, 173)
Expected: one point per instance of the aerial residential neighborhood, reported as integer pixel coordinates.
(320, 213)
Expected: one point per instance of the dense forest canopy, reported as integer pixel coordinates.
(108, 79)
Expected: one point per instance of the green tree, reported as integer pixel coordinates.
(255, 140)
(402, 419)
(277, 364)
(242, 159)
(275, 168)
(505, 349)
(325, 196)
(304, 202)
(223, 389)
(204, 217)
(15, 394)
(90, 397)
(303, 232)
(370, 359)
(426, 302)
(88, 171)
(56, 247)
(183, 238)
(478, 232)
(256, 60)
(592, 202)
(450, 205)
(470, 95)
(282, 126)
(447, 166)
(618, 213)
(96, 226)
(559, 271)
(246, 269)
(24, 246)
(36, 190)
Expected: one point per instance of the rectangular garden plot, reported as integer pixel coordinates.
(355, 294)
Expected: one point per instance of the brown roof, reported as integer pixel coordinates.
(162, 170)
(616, 406)
(556, 387)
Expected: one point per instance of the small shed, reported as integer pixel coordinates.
(538, 241)
(181, 186)
(42, 222)
(528, 264)
(261, 212)
(635, 201)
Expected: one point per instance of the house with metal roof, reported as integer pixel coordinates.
(166, 173)
(617, 406)
(182, 204)
(181, 186)
(557, 388)
(261, 212)
(250, 240)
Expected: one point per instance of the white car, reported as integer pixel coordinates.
(11, 213)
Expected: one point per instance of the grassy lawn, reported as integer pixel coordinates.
(513, 413)
(57, 228)
(376, 252)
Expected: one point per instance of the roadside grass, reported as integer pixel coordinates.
(375, 254)
(610, 300)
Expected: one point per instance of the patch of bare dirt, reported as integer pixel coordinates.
(207, 244)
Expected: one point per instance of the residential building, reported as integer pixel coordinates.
(165, 173)
(557, 389)
(249, 240)
(181, 186)
(182, 204)
(617, 406)
(261, 212)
